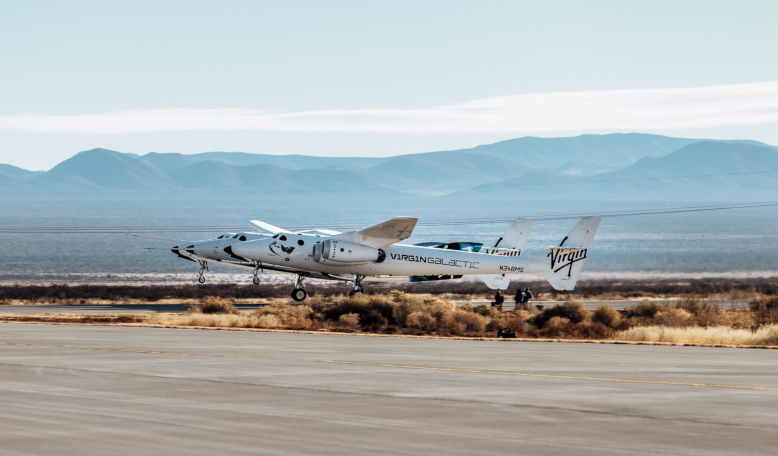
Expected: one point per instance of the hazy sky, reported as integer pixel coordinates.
(376, 78)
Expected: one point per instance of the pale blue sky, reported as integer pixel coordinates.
(341, 69)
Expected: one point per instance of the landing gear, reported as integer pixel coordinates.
(358, 288)
(203, 268)
(256, 271)
(299, 294)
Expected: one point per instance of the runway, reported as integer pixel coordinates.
(29, 309)
(76, 390)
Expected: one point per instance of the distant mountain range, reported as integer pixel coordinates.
(623, 165)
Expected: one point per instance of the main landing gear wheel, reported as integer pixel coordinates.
(357, 286)
(257, 268)
(358, 290)
(298, 294)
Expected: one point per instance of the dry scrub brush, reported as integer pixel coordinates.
(712, 335)
(689, 320)
(765, 310)
(214, 305)
(399, 312)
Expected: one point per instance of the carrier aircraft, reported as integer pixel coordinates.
(376, 254)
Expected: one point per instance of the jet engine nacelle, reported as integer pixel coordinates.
(333, 250)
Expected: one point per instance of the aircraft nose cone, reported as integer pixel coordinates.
(177, 251)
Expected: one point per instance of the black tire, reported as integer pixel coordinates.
(298, 294)
(256, 280)
(201, 279)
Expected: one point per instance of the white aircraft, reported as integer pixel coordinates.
(374, 254)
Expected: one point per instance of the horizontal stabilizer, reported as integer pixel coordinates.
(496, 281)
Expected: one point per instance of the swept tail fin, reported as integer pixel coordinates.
(510, 244)
(566, 260)
(516, 236)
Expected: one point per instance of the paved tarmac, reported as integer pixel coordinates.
(103, 308)
(92, 390)
(150, 307)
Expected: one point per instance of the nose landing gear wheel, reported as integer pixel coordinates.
(298, 294)
(203, 268)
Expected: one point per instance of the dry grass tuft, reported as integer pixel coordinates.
(572, 311)
(199, 319)
(607, 315)
(765, 310)
(349, 320)
(713, 335)
(214, 305)
(288, 316)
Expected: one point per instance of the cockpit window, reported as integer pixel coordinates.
(275, 237)
(220, 237)
(242, 238)
(236, 236)
(283, 238)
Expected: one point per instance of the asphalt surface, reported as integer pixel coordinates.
(103, 308)
(91, 390)
(142, 308)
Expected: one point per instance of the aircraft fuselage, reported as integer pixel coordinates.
(296, 251)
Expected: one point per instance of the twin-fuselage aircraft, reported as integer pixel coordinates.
(375, 254)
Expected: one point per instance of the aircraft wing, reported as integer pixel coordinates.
(383, 234)
(262, 226)
(328, 232)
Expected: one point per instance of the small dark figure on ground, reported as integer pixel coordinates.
(523, 297)
(498, 300)
(506, 333)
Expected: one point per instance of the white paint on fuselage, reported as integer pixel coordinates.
(401, 260)
(213, 249)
